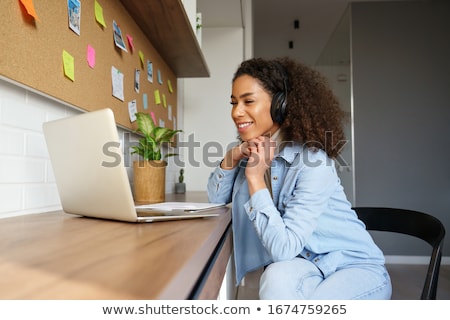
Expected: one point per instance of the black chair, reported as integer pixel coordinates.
(414, 223)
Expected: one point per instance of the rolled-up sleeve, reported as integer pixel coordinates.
(220, 185)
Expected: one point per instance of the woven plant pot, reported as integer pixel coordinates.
(149, 180)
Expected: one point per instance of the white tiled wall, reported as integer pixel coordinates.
(26, 179)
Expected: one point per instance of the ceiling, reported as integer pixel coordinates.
(273, 24)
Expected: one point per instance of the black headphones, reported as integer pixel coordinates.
(278, 106)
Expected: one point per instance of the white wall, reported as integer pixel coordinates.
(207, 117)
(27, 184)
(26, 179)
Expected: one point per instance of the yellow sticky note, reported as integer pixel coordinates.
(141, 56)
(99, 14)
(157, 97)
(169, 84)
(69, 65)
(164, 100)
(29, 6)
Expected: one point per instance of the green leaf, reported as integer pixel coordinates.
(170, 155)
(145, 123)
(150, 145)
(163, 134)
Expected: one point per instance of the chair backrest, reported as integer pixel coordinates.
(414, 223)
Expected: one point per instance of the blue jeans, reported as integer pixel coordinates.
(301, 279)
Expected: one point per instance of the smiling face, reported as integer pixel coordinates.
(251, 108)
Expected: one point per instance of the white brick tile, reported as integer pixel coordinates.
(21, 170)
(40, 195)
(10, 198)
(11, 141)
(23, 116)
(35, 145)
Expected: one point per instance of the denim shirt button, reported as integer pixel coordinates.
(316, 259)
(308, 254)
(275, 178)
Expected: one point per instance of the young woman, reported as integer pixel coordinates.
(290, 213)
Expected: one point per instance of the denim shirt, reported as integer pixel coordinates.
(307, 215)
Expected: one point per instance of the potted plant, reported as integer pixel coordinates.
(149, 172)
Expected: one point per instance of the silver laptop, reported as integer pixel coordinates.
(92, 181)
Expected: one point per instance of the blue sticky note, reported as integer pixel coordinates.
(145, 101)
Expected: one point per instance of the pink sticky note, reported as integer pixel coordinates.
(130, 42)
(90, 56)
(153, 116)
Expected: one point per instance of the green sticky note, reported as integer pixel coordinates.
(69, 65)
(99, 14)
(141, 56)
(157, 97)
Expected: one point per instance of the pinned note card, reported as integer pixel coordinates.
(150, 71)
(169, 112)
(159, 77)
(117, 83)
(99, 14)
(69, 65)
(137, 80)
(169, 84)
(132, 110)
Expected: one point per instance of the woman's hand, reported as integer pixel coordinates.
(261, 152)
(234, 155)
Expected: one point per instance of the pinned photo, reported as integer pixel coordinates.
(118, 38)
(150, 71)
(74, 12)
(137, 80)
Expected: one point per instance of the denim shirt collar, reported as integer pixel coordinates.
(289, 151)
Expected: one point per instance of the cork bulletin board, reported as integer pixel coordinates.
(74, 61)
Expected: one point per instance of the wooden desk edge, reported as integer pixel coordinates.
(211, 281)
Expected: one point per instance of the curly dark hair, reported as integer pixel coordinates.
(313, 116)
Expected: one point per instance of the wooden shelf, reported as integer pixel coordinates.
(167, 26)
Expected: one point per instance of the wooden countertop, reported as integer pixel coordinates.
(61, 256)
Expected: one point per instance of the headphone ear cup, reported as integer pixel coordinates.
(278, 107)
